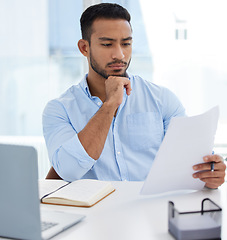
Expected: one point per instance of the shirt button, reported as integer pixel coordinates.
(118, 153)
(99, 103)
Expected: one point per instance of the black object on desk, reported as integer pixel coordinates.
(204, 224)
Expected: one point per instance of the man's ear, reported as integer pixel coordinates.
(83, 46)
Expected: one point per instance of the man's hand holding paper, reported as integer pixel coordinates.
(184, 159)
(212, 171)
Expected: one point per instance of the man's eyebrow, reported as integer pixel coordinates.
(106, 39)
(111, 39)
(127, 39)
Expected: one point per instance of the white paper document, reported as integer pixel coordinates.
(187, 141)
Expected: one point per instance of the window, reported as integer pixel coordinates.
(180, 44)
(194, 64)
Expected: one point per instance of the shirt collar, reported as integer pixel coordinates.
(84, 86)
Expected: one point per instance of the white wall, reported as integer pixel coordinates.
(23, 28)
(195, 69)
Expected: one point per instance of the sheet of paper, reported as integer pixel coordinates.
(187, 141)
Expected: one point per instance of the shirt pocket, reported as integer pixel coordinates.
(145, 130)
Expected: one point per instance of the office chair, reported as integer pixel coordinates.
(52, 174)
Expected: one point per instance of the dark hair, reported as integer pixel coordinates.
(99, 11)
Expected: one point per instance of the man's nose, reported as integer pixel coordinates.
(118, 53)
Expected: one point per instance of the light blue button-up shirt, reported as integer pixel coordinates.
(134, 136)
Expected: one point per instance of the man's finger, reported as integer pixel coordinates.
(213, 158)
(128, 88)
(209, 166)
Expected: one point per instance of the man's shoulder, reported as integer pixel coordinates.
(66, 99)
(70, 94)
(138, 81)
(148, 89)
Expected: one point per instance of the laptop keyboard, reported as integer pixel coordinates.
(47, 225)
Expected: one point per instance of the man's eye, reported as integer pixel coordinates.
(106, 44)
(126, 44)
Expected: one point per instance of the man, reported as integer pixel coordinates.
(111, 124)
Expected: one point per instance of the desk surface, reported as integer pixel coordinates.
(126, 214)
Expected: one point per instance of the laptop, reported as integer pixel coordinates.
(20, 215)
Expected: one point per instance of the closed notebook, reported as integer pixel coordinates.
(80, 193)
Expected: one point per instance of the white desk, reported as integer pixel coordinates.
(126, 215)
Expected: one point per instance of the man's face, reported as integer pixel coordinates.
(110, 47)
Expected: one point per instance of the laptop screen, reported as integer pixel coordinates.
(19, 202)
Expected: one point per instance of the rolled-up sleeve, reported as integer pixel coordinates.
(65, 150)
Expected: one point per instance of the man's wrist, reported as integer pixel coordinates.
(109, 107)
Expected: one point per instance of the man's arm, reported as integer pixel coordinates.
(94, 134)
(72, 157)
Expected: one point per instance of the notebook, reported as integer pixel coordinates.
(20, 214)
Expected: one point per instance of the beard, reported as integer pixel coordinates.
(102, 72)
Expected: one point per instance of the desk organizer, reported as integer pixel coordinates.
(204, 224)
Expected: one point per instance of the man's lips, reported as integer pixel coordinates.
(117, 66)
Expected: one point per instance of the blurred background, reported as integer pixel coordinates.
(180, 44)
